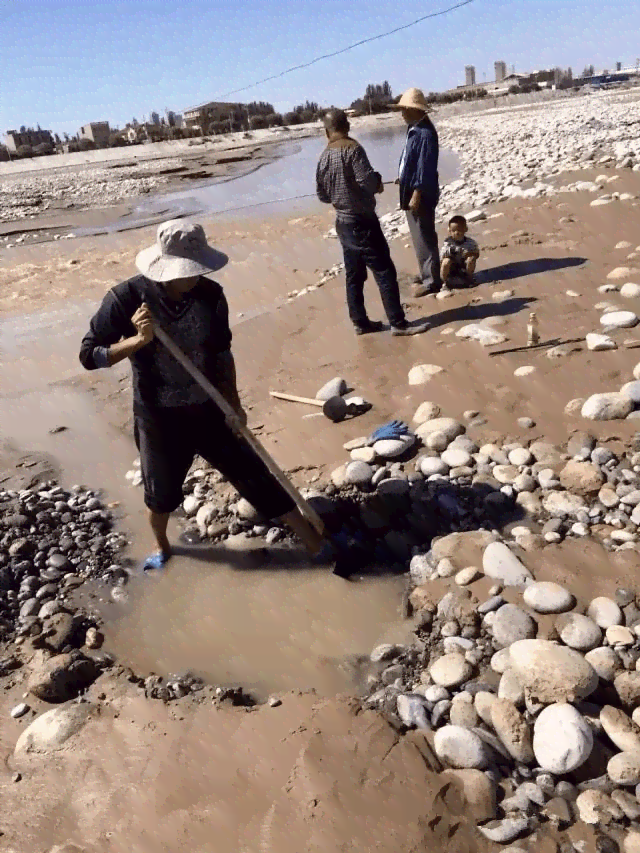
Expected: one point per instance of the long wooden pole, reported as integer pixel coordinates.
(241, 430)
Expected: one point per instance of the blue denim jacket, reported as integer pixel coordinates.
(419, 164)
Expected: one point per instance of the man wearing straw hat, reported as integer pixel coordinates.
(174, 419)
(419, 188)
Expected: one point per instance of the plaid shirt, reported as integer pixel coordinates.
(345, 179)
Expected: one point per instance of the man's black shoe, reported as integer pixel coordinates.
(369, 327)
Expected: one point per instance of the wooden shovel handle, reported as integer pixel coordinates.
(293, 399)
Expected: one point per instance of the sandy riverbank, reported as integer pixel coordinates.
(305, 778)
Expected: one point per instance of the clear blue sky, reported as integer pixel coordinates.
(64, 63)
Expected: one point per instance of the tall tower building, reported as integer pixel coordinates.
(501, 71)
(470, 75)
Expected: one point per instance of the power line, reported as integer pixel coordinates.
(346, 49)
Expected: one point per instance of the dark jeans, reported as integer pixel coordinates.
(425, 243)
(364, 245)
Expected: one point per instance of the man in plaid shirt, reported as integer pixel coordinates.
(345, 179)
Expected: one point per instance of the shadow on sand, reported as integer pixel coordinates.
(519, 269)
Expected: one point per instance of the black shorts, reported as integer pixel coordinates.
(169, 440)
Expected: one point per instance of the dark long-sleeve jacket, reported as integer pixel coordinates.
(419, 164)
(198, 323)
(346, 179)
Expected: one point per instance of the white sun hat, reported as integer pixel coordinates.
(180, 251)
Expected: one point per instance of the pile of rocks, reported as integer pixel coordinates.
(27, 197)
(51, 541)
(509, 154)
(539, 722)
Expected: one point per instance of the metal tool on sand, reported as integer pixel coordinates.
(335, 408)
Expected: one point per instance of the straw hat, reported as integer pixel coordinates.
(413, 99)
(180, 251)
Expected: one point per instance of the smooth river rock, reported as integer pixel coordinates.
(547, 597)
(627, 685)
(499, 563)
(50, 731)
(562, 739)
(510, 624)
(620, 728)
(582, 478)
(333, 388)
(561, 504)
(421, 373)
(605, 612)
(605, 661)
(579, 632)
(551, 673)
(513, 730)
(450, 670)
(506, 830)
(624, 768)
(609, 406)
(461, 748)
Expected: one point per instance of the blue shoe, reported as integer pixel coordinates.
(155, 562)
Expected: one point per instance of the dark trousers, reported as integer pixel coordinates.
(168, 440)
(364, 245)
(425, 243)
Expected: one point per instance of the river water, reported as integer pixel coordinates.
(276, 186)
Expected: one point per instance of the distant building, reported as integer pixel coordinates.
(155, 118)
(200, 117)
(501, 71)
(97, 132)
(618, 66)
(174, 119)
(469, 75)
(14, 139)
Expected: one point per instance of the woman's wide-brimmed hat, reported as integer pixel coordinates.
(180, 251)
(412, 99)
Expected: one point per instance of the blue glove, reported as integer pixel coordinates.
(393, 429)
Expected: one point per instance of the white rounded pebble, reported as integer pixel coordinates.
(430, 465)
(562, 739)
(552, 673)
(547, 597)
(520, 456)
(467, 576)
(579, 632)
(526, 370)
(454, 457)
(605, 661)
(619, 320)
(624, 768)
(460, 747)
(421, 373)
(450, 670)
(618, 635)
(605, 612)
